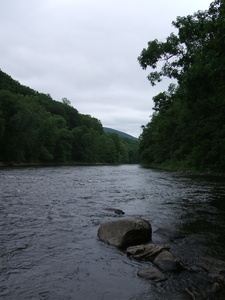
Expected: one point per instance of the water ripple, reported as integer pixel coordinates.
(49, 219)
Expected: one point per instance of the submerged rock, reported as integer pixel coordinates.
(217, 287)
(152, 273)
(167, 262)
(214, 267)
(170, 233)
(145, 252)
(125, 232)
(211, 265)
(116, 211)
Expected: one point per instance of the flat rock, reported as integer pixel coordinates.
(125, 232)
(145, 252)
(167, 262)
(152, 273)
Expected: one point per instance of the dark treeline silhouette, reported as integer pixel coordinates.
(187, 129)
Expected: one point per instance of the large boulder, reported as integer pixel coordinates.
(125, 232)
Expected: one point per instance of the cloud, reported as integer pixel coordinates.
(86, 50)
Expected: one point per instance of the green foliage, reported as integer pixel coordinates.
(187, 129)
(35, 128)
(66, 101)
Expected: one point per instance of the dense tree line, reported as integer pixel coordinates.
(187, 128)
(34, 128)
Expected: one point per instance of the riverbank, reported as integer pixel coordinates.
(184, 171)
(42, 164)
(151, 166)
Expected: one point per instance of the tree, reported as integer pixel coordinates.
(66, 101)
(187, 128)
(178, 53)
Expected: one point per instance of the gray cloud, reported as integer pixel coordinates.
(86, 50)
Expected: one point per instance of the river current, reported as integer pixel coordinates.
(49, 218)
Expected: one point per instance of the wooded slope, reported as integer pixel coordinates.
(34, 128)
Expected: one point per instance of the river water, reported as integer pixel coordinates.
(49, 217)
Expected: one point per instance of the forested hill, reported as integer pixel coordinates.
(187, 129)
(34, 128)
(121, 133)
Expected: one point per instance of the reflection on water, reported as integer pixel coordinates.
(49, 219)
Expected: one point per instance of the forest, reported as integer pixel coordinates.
(34, 128)
(187, 128)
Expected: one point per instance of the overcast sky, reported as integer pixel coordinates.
(86, 51)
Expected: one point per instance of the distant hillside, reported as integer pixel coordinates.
(34, 128)
(123, 134)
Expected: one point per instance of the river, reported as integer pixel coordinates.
(49, 217)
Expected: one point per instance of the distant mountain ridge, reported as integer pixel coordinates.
(123, 134)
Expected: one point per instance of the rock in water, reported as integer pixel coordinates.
(170, 233)
(167, 262)
(152, 273)
(144, 252)
(211, 265)
(116, 211)
(215, 267)
(125, 232)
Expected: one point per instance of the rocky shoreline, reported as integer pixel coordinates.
(133, 236)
